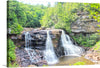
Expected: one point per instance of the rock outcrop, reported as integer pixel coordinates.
(94, 53)
(84, 24)
(38, 37)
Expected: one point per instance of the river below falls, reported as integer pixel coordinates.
(70, 60)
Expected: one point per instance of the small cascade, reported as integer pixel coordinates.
(31, 52)
(69, 47)
(49, 54)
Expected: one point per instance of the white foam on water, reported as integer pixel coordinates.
(49, 53)
(69, 47)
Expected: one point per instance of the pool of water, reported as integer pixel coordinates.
(70, 60)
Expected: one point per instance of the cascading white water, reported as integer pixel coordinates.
(49, 54)
(69, 47)
(27, 40)
(31, 52)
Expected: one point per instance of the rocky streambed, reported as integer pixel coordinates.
(23, 58)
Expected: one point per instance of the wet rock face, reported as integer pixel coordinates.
(59, 50)
(38, 37)
(24, 60)
(84, 24)
(22, 57)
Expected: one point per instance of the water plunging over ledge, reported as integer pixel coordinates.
(69, 47)
(31, 52)
(49, 53)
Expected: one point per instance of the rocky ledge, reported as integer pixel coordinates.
(84, 24)
(38, 37)
(23, 58)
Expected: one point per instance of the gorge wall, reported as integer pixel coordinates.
(84, 24)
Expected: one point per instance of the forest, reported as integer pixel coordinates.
(61, 16)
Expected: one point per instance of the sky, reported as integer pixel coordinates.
(34, 2)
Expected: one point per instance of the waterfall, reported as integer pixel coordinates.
(31, 52)
(27, 40)
(49, 54)
(69, 47)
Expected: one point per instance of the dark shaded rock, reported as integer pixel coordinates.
(40, 47)
(23, 36)
(36, 32)
(40, 43)
(38, 37)
(43, 32)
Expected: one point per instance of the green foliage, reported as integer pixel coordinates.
(60, 16)
(24, 14)
(79, 63)
(16, 28)
(97, 46)
(88, 40)
(11, 50)
(98, 30)
(13, 65)
(11, 56)
(94, 10)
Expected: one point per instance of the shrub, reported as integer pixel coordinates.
(11, 56)
(16, 28)
(87, 41)
(13, 65)
(11, 50)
